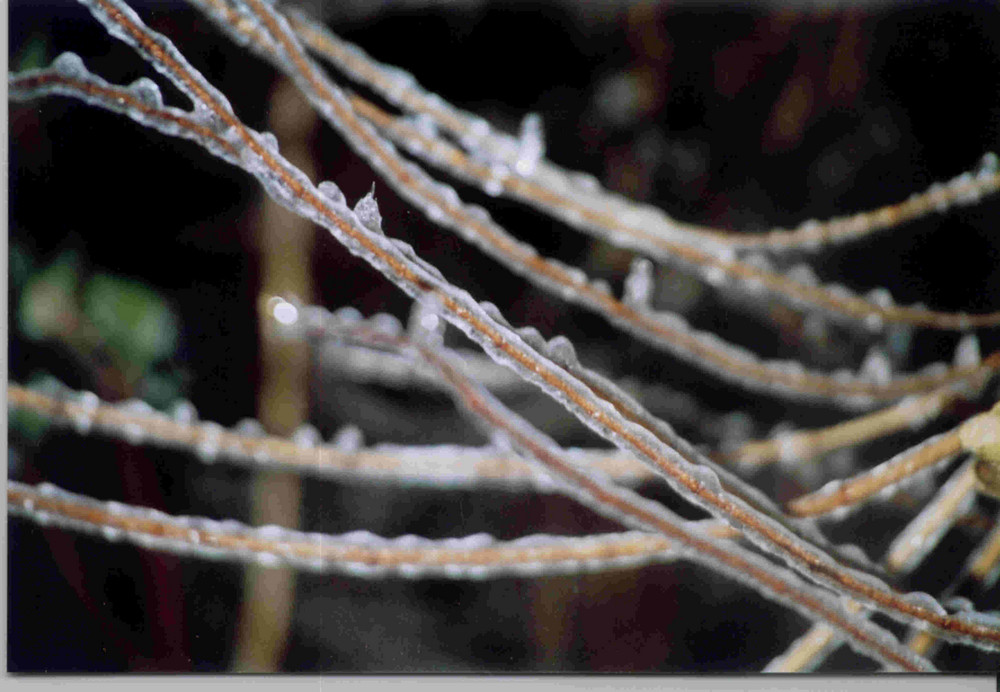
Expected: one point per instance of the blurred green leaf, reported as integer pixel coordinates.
(134, 321)
(48, 303)
(33, 56)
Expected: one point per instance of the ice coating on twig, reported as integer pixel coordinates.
(262, 163)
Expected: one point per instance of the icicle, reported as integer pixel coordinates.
(368, 213)
(530, 145)
(639, 284)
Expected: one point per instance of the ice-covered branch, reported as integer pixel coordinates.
(358, 553)
(483, 324)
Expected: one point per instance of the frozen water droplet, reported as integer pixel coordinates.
(184, 412)
(134, 433)
(267, 559)
(347, 316)
(926, 602)
(876, 367)
(967, 352)
(249, 427)
(601, 286)
(136, 406)
(147, 92)
(803, 274)
(111, 533)
(348, 439)
(332, 192)
(69, 65)
(306, 436)
(207, 448)
(269, 141)
(639, 284)
(530, 145)
(82, 420)
(387, 324)
(989, 165)
(561, 350)
(368, 213)
(493, 186)
(707, 478)
(426, 324)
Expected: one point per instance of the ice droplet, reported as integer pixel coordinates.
(988, 165)
(803, 274)
(269, 141)
(332, 192)
(387, 324)
(147, 92)
(426, 324)
(69, 65)
(348, 439)
(306, 436)
(88, 401)
(926, 602)
(249, 427)
(562, 351)
(184, 412)
(207, 448)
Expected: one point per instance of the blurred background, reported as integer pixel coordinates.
(136, 262)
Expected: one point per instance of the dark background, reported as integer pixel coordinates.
(741, 118)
